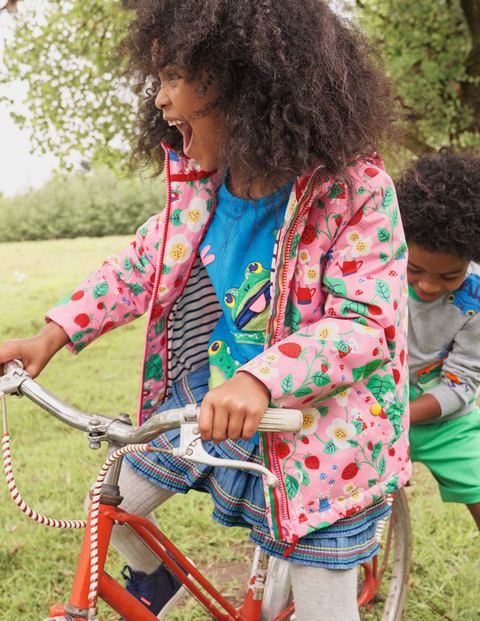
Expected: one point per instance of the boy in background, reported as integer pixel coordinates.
(439, 199)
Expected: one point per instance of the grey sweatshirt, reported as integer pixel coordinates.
(444, 347)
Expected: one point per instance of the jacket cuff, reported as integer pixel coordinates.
(72, 330)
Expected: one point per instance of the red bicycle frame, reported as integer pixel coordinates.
(131, 609)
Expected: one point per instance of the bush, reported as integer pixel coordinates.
(91, 205)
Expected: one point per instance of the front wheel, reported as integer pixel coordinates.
(382, 583)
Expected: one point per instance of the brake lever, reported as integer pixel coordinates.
(191, 448)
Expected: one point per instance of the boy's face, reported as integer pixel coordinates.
(431, 274)
(192, 107)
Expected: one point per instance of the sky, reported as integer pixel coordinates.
(19, 169)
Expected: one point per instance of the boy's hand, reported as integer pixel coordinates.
(34, 352)
(233, 409)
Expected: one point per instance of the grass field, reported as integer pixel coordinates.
(54, 467)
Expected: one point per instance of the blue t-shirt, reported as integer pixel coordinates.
(237, 253)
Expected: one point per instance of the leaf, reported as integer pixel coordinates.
(353, 443)
(376, 450)
(287, 384)
(382, 289)
(77, 336)
(366, 369)
(175, 217)
(153, 368)
(335, 286)
(100, 289)
(292, 316)
(400, 252)
(330, 447)
(320, 379)
(293, 249)
(382, 466)
(394, 218)
(384, 258)
(166, 269)
(138, 265)
(291, 486)
(387, 198)
(354, 307)
(379, 385)
(342, 346)
(358, 424)
(304, 478)
(335, 191)
(127, 264)
(392, 485)
(136, 288)
(323, 410)
(372, 482)
(383, 235)
(396, 422)
(303, 392)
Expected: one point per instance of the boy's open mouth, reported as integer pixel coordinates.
(186, 130)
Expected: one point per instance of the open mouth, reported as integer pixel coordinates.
(187, 133)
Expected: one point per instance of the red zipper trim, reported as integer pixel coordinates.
(194, 175)
(158, 276)
(287, 259)
(283, 504)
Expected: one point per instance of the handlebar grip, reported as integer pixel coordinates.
(279, 419)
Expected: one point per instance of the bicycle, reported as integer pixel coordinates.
(268, 596)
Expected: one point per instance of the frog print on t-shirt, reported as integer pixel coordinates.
(249, 304)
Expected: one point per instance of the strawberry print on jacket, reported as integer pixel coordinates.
(335, 343)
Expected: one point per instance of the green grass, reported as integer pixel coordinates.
(54, 467)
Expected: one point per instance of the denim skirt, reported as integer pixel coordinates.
(238, 495)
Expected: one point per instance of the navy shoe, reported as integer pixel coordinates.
(157, 591)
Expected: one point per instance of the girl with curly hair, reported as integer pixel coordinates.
(275, 274)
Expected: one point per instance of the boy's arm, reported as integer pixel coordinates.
(113, 295)
(460, 378)
(424, 408)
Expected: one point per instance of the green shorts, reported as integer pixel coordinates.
(451, 451)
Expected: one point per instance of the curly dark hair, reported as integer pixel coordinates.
(439, 198)
(299, 85)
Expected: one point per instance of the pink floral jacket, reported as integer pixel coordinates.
(335, 344)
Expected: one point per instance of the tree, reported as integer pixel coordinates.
(432, 52)
(78, 102)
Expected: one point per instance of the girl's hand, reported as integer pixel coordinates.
(34, 352)
(233, 409)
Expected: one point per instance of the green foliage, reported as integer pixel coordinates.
(426, 47)
(90, 205)
(78, 101)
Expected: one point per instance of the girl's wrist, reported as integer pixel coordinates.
(53, 337)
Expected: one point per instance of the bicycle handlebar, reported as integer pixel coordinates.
(100, 428)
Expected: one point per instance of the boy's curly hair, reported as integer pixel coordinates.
(299, 85)
(439, 198)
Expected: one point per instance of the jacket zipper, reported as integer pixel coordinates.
(283, 505)
(156, 283)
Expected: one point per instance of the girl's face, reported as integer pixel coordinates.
(192, 107)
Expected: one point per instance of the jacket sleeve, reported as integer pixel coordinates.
(460, 378)
(113, 295)
(360, 327)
